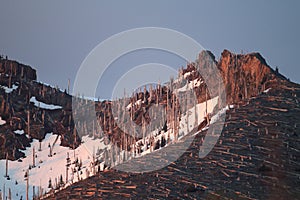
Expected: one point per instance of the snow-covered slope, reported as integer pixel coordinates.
(46, 167)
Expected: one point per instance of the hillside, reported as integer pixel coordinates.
(256, 155)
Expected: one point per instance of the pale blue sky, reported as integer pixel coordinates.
(55, 36)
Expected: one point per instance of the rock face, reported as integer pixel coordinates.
(245, 76)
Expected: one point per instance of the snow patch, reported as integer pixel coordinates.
(94, 99)
(2, 121)
(188, 74)
(216, 117)
(196, 115)
(137, 103)
(9, 90)
(267, 90)
(189, 86)
(221, 112)
(19, 132)
(44, 105)
(188, 122)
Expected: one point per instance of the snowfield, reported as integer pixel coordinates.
(47, 167)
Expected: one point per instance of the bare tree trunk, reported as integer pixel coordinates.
(6, 168)
(33, 192)
(94, 129)
(246, 89)
(196, 112)
(33, 157)
(167, 109)
(27, 183)
(9, 83)
(143, 129)
(94, 161)
(68, 86)
(9, 194)
(40, 146)
(4, 197)
(22, 72)
(219, 101)
(174, 117)
(206, 112)
(187, 115)
(28, 123)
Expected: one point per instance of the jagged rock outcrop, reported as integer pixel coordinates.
(245, 76)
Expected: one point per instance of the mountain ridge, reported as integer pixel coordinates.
(237, 88)
(248, 80)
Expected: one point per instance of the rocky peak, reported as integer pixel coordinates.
(246, 75)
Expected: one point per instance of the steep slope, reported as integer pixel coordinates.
(257, 157)
(249, 146)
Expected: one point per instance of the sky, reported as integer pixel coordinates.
(54, 37)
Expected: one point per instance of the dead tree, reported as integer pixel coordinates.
(68, 86)
(28, 123)
(67, 166)
(40, 146)
(196, 112)
(4, 197)
(33, 157)
(94, 161)
(187, 119)
(26, 178)
(206, 112)
(9, 197)
(143, 129)
(10, 75)
(219, 98)
(167, 108)
(50, 150)
(6, 166)
(33, 192)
